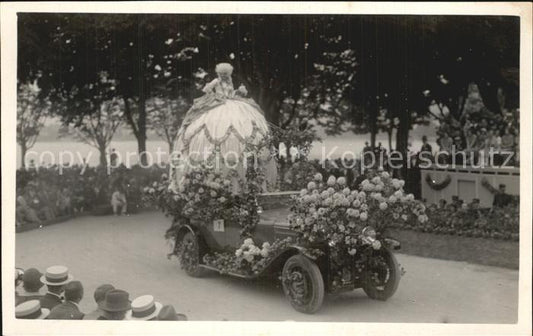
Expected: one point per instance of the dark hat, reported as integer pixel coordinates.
(101, 291)
(32, 279)
(168, 313)
(116, 300)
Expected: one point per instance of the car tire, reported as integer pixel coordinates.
(190, 254)
(389, 269)
(303, 284)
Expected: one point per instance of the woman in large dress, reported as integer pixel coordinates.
(222, 128)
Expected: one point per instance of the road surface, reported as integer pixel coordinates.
(130, 253)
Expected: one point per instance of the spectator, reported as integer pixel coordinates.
(99, 296)
(501, 198)
(64, 202)
(115, 305)
(55, 278)
(31, 285)
(113, 158)
(426, 152)
(168, 313)
(25, 213)
(31, 310)
(507, 142)
(445, 143)
(118, 200)
(69, 310)
(144, 308)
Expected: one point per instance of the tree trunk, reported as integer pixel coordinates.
(23, 151)
(389, 132)
(402, 137)
(170, 147)
(372, 122)
(141, 131)
(103, 157)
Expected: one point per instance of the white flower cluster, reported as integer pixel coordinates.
(248, 250)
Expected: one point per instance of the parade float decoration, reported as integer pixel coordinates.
(332, 239)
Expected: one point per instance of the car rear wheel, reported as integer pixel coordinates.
(382, 276)
(190, 255)
(302, 284)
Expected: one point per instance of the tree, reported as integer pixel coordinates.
(98, 114)
(165, 116)
(32, 111)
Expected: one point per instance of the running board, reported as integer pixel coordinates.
(238, 275)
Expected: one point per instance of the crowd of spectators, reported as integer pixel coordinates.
(63, 295)
(478, 131)
(47, 193)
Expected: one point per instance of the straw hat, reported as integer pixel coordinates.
(56, 276)
(144, 308)
(31, 310)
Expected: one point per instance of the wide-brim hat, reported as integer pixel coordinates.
(31, 310)
(56, 276)
(168, 313)
(116, 300)
(144, 308)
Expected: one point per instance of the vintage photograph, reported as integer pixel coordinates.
(267, 167)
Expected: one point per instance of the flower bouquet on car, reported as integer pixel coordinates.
(347, 218)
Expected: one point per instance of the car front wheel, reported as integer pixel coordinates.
(382, 276)
(190, 255)
(302, 284)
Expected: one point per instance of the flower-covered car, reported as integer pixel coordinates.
(330, 239)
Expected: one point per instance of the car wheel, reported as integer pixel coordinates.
(190, 255)
(382, 276)
(302, 284)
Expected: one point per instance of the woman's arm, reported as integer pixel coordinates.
(210, 86)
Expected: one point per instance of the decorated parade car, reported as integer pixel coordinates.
(326, 238)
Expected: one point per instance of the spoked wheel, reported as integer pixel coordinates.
(190, 255)
(382, 276)
(302, 284)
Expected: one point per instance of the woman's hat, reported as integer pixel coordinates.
(224, 68)
(31, 310)
(144, 308)
(116, 300)
(56, 276)
(32, 279)
(168, 313)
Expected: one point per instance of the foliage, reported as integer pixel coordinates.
(495, 223)
(165, 116)
(32, 110)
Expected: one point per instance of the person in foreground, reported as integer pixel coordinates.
(31, 286)
(69, 310)
(31, 310)
(99, 297)
(115, 305)
(55, 278)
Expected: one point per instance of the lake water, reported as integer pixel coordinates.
(331, 146)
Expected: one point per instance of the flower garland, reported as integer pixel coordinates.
(249, 259)
(438, 186)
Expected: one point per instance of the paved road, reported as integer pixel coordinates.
(130, 253)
